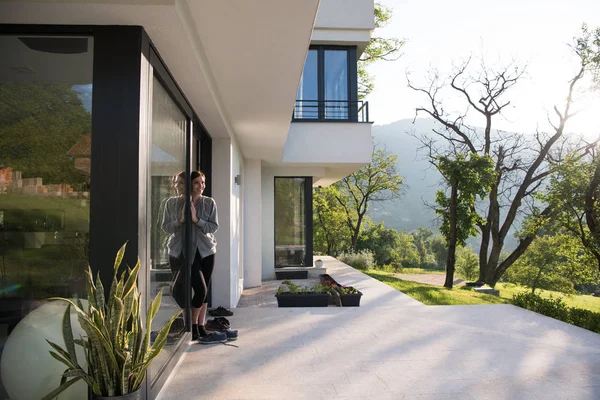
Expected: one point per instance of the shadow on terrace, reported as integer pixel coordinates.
(392, 347)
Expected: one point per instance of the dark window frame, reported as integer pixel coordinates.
(308, 212)
(352, 68)
(115, 156)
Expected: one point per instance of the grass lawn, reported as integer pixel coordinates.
(585, 301)
(420, 271)
(436, 295)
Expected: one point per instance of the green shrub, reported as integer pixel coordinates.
(585, 319)
(556, 308)
(360, 260)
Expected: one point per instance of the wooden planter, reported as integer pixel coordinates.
(303, 300)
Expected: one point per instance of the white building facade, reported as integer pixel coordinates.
(260, 95)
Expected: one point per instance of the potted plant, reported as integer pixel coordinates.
(349, 295)
(319, 263)
(117, 347)
(292, 295)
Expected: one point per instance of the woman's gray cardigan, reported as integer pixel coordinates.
(203, 237)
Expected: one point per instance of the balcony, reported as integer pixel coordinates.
(330, 111)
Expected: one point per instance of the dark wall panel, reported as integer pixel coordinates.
(115, 146)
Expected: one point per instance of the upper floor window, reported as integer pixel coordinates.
(328, 87)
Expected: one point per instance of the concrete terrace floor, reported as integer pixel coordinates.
(391, 347)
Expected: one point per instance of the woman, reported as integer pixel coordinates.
(203, 213)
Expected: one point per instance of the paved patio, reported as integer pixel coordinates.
(392, 347)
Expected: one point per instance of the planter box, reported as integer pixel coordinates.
(303, 300)
(350, 300)
(347, 300)
(281, 275)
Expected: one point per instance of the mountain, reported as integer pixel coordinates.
(409, 212)
(422, 179)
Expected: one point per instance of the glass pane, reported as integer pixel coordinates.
(45, 149)
(308, 90)
(336, 84)
(290, 222)
(167, 157)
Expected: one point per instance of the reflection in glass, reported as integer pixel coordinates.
(336, 84)
(308, 90)
(167, 157)
(45, 150)
(290, 222)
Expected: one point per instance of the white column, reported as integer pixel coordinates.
(252, 226)
(221, 184)
(268, 224)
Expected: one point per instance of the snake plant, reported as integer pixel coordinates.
(116, 345)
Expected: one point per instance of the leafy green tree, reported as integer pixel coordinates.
(389, 246)
(407, 250)
(382, 241)
(379, 48)
(39, 123)
(331, 233)
(437, 247)
(574, 195)
(420, 239)
(467, 178)
(522, 162)
(556, 262)
(467, 263)
(379, 181)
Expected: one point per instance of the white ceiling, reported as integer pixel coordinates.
(238, 61)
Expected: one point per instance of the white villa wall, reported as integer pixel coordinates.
(345, 14)
(227, 163)
(348, 22)
(328, 142)
(252, 212)
(237, 237)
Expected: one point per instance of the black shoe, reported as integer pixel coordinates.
(218, 324)
(220, 312)
(213, 337)
(232, 334)
(223, 321)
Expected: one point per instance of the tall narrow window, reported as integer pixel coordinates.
(336, 84)
(45, 151)
(290, 222)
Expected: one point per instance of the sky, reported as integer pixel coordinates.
(531, 34)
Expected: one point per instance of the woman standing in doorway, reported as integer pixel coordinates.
(203, 213)
(204, 246)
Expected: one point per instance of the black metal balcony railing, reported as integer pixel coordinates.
(331, 110)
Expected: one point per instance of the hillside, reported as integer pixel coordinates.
(422, 180)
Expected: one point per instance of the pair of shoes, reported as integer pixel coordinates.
(217, 325)
(213, 337)
(220, 312)
(221, 324)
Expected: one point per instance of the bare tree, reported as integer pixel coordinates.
(521, 163)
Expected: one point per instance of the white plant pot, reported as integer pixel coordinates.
(319, 263)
